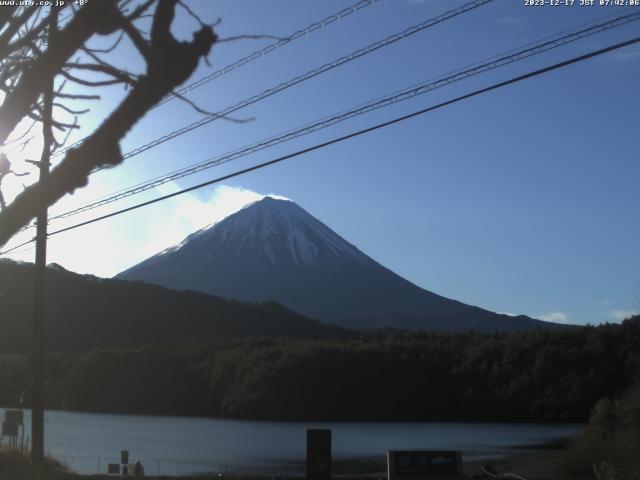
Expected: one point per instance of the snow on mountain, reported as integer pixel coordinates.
(268, 224)
(273, 249)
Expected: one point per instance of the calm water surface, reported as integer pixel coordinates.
(86, 442)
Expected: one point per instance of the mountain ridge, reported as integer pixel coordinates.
(85, 312)
(274, 250)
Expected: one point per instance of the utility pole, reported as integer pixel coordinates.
(37, 401)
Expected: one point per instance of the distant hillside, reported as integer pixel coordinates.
(274, 250)
(539, 375)
(84, 311)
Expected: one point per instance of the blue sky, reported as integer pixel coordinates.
(523, 200)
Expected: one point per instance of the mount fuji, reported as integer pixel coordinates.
(273, 250)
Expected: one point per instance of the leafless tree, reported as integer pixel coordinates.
(29, 63)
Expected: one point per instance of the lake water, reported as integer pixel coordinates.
(87, 442)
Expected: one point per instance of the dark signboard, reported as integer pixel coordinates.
(424, 464)
(318, 454)
(124, 457)
(14, 416)
(113, 469)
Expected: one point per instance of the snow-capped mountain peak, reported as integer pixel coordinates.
(273, 250)
(276, 230)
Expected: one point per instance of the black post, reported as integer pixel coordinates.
(318, 454)
(37, 402)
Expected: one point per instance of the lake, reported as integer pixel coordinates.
(87, 442)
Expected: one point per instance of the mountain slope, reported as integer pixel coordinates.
(274, 250)
(84, 312)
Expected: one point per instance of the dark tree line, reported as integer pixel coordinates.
(85, 312)
(556, 375)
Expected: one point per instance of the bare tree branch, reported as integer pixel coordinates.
(17, 139)
(89, 20)
(5, 169)
(136, 37)
(71, 110)
(249, 37)
(15, 23)
(119, 75)
(198, 109)
(195, 16)
(140, 9)
(170, 63)
(75, 96)
(58, 144)
(31, 35)
(6, 14)
(107, 49)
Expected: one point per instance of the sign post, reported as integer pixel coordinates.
(124, 460)
(318, 454)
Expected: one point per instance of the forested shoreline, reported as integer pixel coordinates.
(539, 375)
(85, 312)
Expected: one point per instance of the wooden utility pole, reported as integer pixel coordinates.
(37, 401)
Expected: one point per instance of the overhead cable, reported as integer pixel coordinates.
(272, 47)
(302, 78)
(420, 89)
(358, 133)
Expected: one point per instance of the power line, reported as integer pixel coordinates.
(304, 77)
(306, 31)
(13, 249)
(378, 126)
(25, 250)
(311, 74)
(420, 89)
(468, 66)
(272, 47)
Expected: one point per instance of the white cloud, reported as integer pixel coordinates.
(188, 213)
(109, 247)
(618, 315)
(509, 314)
(556, 317)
